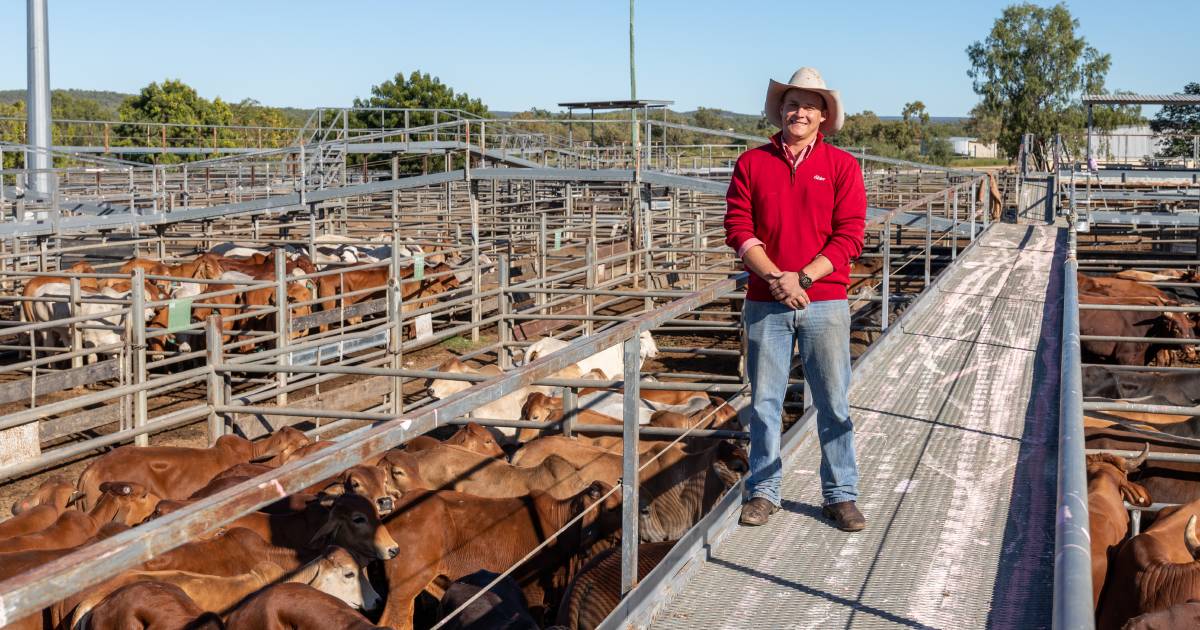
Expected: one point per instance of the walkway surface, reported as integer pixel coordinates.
(956, 421)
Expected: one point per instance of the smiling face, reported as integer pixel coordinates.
(802, 113)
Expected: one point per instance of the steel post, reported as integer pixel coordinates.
(282, 322)
(886, 288)
(137, 318)
(214, 354)
(37, 100)
(629, 464)
(504, 324)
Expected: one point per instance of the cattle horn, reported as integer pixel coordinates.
(1135, 463)
(1189, 536)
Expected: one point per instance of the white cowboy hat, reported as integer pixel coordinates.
(806, 79)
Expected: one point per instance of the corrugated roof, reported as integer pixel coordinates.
(1142, 99)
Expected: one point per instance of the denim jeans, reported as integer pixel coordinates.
(822, 332)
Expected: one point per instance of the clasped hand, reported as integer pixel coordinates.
(785, 288)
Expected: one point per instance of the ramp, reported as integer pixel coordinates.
(956, 424)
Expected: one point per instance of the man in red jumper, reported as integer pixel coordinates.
(796, 216)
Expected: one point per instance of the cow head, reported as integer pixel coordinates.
(440, 388)
(598, 521)
(370, 482)
(354, 524)
(53, 491)
(404, 470)
(1117, 469)
(539, 407)
(124, 502)
(281, 443)
(337, 573)
(1182, 326)
(477, 438)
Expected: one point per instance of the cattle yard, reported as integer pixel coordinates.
(332, 285)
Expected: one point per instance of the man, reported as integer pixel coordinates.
(796, 216)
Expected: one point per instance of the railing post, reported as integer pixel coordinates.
(137, 317)
(503, 326)
(476, 274)
(541, 252)
(396, 325)
(215, 355)
(282, 323)
(987, 202)
(570, 405)
(954, 228)
(629, 464)
(974, 195)
(886, 292)
(76, 337)
(589, 300)
(928, 240)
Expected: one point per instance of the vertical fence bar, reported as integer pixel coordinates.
(886, 293)
(503, 330)
(76, 337)
(476, 274)
(215, 356)
(282, 323)
(974, 195)
(954, 228)
(137, 317)
(589, 300)
(928, 240)
(629, 464)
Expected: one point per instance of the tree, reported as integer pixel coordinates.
(1030, 72)
(192, 118)
(710, 119)
(418, 91)
(915, 118)
(1178, 124)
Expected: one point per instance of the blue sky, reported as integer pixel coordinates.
(523, 53)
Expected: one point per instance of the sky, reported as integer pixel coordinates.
(519, 54)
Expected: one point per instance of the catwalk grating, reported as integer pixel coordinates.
(956, 421)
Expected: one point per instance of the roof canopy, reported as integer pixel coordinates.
(1141, 99)
(625, 104)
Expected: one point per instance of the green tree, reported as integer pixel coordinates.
(1178, 125)
(12, 129)
(915, 118)
(193, 119)
(710, 119)
(1030, 72)
(418, 91)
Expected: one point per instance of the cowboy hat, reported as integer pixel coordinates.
(806, 79)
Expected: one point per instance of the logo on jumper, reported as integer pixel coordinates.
(818, 178)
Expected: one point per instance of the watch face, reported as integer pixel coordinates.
(805, 281)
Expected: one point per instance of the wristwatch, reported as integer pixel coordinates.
(805, 281)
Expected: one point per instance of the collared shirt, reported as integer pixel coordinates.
(795, 161)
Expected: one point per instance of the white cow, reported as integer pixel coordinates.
(610, 361)
(94, 331)
(505, 408)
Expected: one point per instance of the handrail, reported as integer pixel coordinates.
(1072, 546)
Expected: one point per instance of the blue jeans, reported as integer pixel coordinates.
(822, 332)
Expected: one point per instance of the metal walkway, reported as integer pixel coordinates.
(956, 423)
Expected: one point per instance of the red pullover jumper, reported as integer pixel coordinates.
(820, 207)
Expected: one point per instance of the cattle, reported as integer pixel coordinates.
(1131, 324)
(347, 288)
(31, 287)
(471, 436)
(226, 306)
(487, 534)
(1154, 570)
(1186, 615)
(371, 483)
(39, 510)
(1163, 388)
(104, 323)
(1164, 275)
(295, 607)
(1171, 424)
(125, 503)
(610, 361)
(501, 608)
(153, 606)
(1118, 288)
(228, 551)
(447, 467)
(1108, 488)
(1167, 482)
(335, 572)
(175, 472)
(539, 407)
(507, 407)
(203, 267)
(596, 589)
(347, 520)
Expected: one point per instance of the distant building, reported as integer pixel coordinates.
(1126, 144)
(972, 147)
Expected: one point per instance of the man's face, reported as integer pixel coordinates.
(802, 113)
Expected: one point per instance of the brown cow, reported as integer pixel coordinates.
(1167, 482)
(370, 482)
(39, 510)
(175, 472)
(295, 607)
(486, 534)
(122, 502)
(1131, 324)
(367, 284)
(85, 284)
(452, 468)
(229, 551)
(1108, 488)
(471, 436)
(226, 306)
(596, 589)
(1154, 570)
(55, 491)
(150, 605)
(348, 520)
(1186, 615)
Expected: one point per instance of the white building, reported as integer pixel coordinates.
(972, 147)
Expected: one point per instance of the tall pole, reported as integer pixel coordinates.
(37, 157)
(635, 144)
